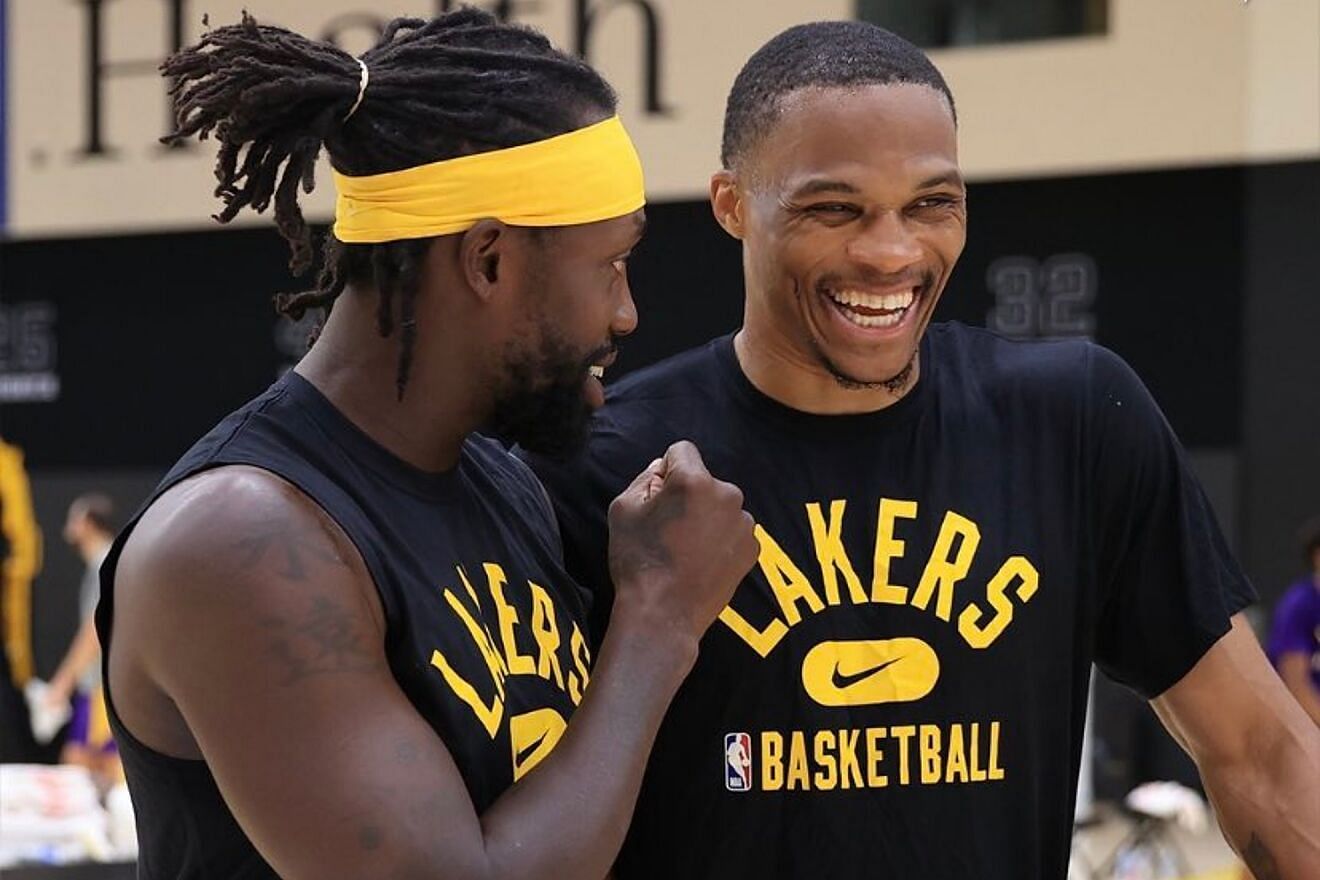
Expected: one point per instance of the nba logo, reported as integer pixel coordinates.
(737, 762)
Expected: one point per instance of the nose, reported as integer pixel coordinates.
(887, 244)
(625, 316)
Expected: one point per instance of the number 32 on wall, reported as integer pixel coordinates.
(1042, 300)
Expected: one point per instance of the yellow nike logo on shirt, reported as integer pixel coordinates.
(525, 752)
(532, 736)
(863, 673)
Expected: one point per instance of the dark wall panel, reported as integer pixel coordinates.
(159, 335)
(155, 337)
(1282, 381)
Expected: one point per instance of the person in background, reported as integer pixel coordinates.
(88, 529)
(1294, 645)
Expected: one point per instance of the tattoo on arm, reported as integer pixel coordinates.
(639, 545)
(1259, 860)
(299, 549)
(325, 640)
(407, 752)
(370, 837)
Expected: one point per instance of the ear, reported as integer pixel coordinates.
(479, 256)
(726, 202)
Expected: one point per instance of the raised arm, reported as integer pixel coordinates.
(250, 611)
(1258, 753)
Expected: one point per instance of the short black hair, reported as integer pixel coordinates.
(1309, 534)
(822, 54)
(98, 509)
(460, 83)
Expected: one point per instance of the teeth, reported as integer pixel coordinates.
(886, 301)
(598, 372)
(874, 320)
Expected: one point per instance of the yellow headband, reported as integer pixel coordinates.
(586, 175)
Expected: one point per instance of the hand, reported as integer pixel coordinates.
(680, 542)
(58, 693)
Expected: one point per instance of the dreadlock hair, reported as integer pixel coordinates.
(457, 84)
(822, 54)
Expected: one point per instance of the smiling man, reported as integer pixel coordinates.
(952, 528)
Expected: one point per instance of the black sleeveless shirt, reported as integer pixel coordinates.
(486, 634)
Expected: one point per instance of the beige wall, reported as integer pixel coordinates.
(1175, 82)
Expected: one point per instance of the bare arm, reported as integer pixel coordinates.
(267, 634)
(1295, 670)
(1258, 754)
(83, 651)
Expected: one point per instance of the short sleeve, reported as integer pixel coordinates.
(1167, 580)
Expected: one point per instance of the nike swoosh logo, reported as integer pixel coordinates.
(842, 681)
(527, 752)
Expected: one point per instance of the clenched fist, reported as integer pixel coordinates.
(680, 542)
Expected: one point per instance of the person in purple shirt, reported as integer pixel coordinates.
(1294, 646)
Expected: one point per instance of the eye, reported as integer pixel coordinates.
(938, 202)
(833, 213)
(829, 208)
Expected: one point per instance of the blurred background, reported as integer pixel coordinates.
(1143, 172)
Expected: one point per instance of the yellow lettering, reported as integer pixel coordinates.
(786, 580)
(546, 633)
(929, 742)
(485, 642)
(828, 774)
(943, 570)
(827, 537)
(974, 750)
(772, 760)
(1017, 568)
(577, 681)
(996, 772)
(955, 760)
(850, 769)
(762, 641)
(489, 716)
(874, 756)
(518, 664)
(889, 548)
(797, 762)
(903, 733)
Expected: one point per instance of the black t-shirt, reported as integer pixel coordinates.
(899, 687)
(486, 634)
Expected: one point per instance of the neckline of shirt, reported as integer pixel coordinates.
(362, 447)
(760, 402)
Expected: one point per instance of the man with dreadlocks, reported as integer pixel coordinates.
(339, 639)
(953, 527)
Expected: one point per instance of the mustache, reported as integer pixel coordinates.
(609, 349)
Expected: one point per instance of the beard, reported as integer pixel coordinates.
(895, 384)
(540, 404)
